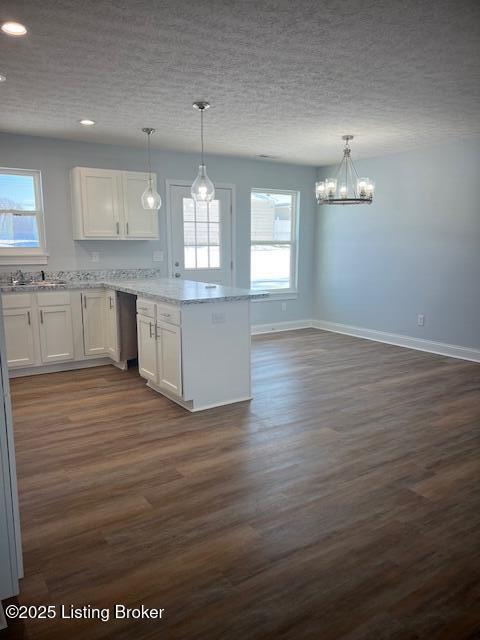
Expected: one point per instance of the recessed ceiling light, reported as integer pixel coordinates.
(14, 28)
(86, 122)
(2, 77)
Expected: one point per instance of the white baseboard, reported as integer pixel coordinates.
(60, 366)
(274, 327)
(440, 348)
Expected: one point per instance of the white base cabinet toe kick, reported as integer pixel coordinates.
(196, 354)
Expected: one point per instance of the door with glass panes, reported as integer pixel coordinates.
(201, 236)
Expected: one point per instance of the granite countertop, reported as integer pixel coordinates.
(178, 292)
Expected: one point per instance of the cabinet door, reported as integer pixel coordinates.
(147, 354)
(56, 334)
(101, 203)
(93, 315)
(111, 326)
(169, 357)
(139, 222)
(20, 337)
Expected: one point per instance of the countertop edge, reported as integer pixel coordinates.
(107, 284)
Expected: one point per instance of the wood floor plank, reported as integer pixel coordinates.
(341, 503)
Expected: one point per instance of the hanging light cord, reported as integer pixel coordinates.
(149, 160)
(201, 134)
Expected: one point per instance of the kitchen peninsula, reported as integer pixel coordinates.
(193, 337)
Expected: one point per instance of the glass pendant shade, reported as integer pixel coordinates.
(151, 199)
(202, 187)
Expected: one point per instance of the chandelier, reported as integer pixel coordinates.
(347, 187)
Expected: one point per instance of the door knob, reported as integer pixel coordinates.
(178, 275)
(177, 264)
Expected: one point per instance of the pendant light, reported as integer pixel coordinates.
(347, 187)
(202, 187)
(151, 199)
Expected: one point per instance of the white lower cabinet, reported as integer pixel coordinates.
(93, 315)
(20, 337)
(147, 355)
(160, 346)
(49, 327)
(112, 337)
(169, 357)
(56, 334)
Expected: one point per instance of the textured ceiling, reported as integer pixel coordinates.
(286, 78)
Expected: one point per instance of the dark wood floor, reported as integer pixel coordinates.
(342, 503)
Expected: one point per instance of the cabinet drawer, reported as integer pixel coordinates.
(53, 298)
(16, 300)
(168, 313)
(146, 308)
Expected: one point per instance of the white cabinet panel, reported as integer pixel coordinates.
(20, 337)
(111, 325)
(56, 333)
(169, 357)
(139, 222)
(93, 314)
(97, 203)
(147, 352)
(106, 204)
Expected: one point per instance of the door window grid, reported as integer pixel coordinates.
(201, 232)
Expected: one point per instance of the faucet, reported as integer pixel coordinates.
(18, 277)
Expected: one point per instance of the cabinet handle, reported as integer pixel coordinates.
(29, 320)
(166, 315)
(41, 316)
(110, 302)
(118, 228)
(84, 301)
(150, 325)
(127, 229)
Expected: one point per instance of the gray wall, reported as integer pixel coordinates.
(55, 158)
(416, 249)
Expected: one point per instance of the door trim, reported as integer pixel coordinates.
(170, 182)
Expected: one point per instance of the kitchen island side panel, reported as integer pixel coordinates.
(216, 352)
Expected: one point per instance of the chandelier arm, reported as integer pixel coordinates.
(353, 173)
(339, 169)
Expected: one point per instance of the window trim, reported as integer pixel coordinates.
(292, 291)
(27, 255)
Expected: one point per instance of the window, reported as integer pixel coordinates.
(22, 237)
(201, 234)
(273, 240)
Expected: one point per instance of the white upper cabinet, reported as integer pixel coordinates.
(106, 205)
(139, 222)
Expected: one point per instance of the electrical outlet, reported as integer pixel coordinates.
(95, 256)
(420, 320)
(284, 306)
(158, 256)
